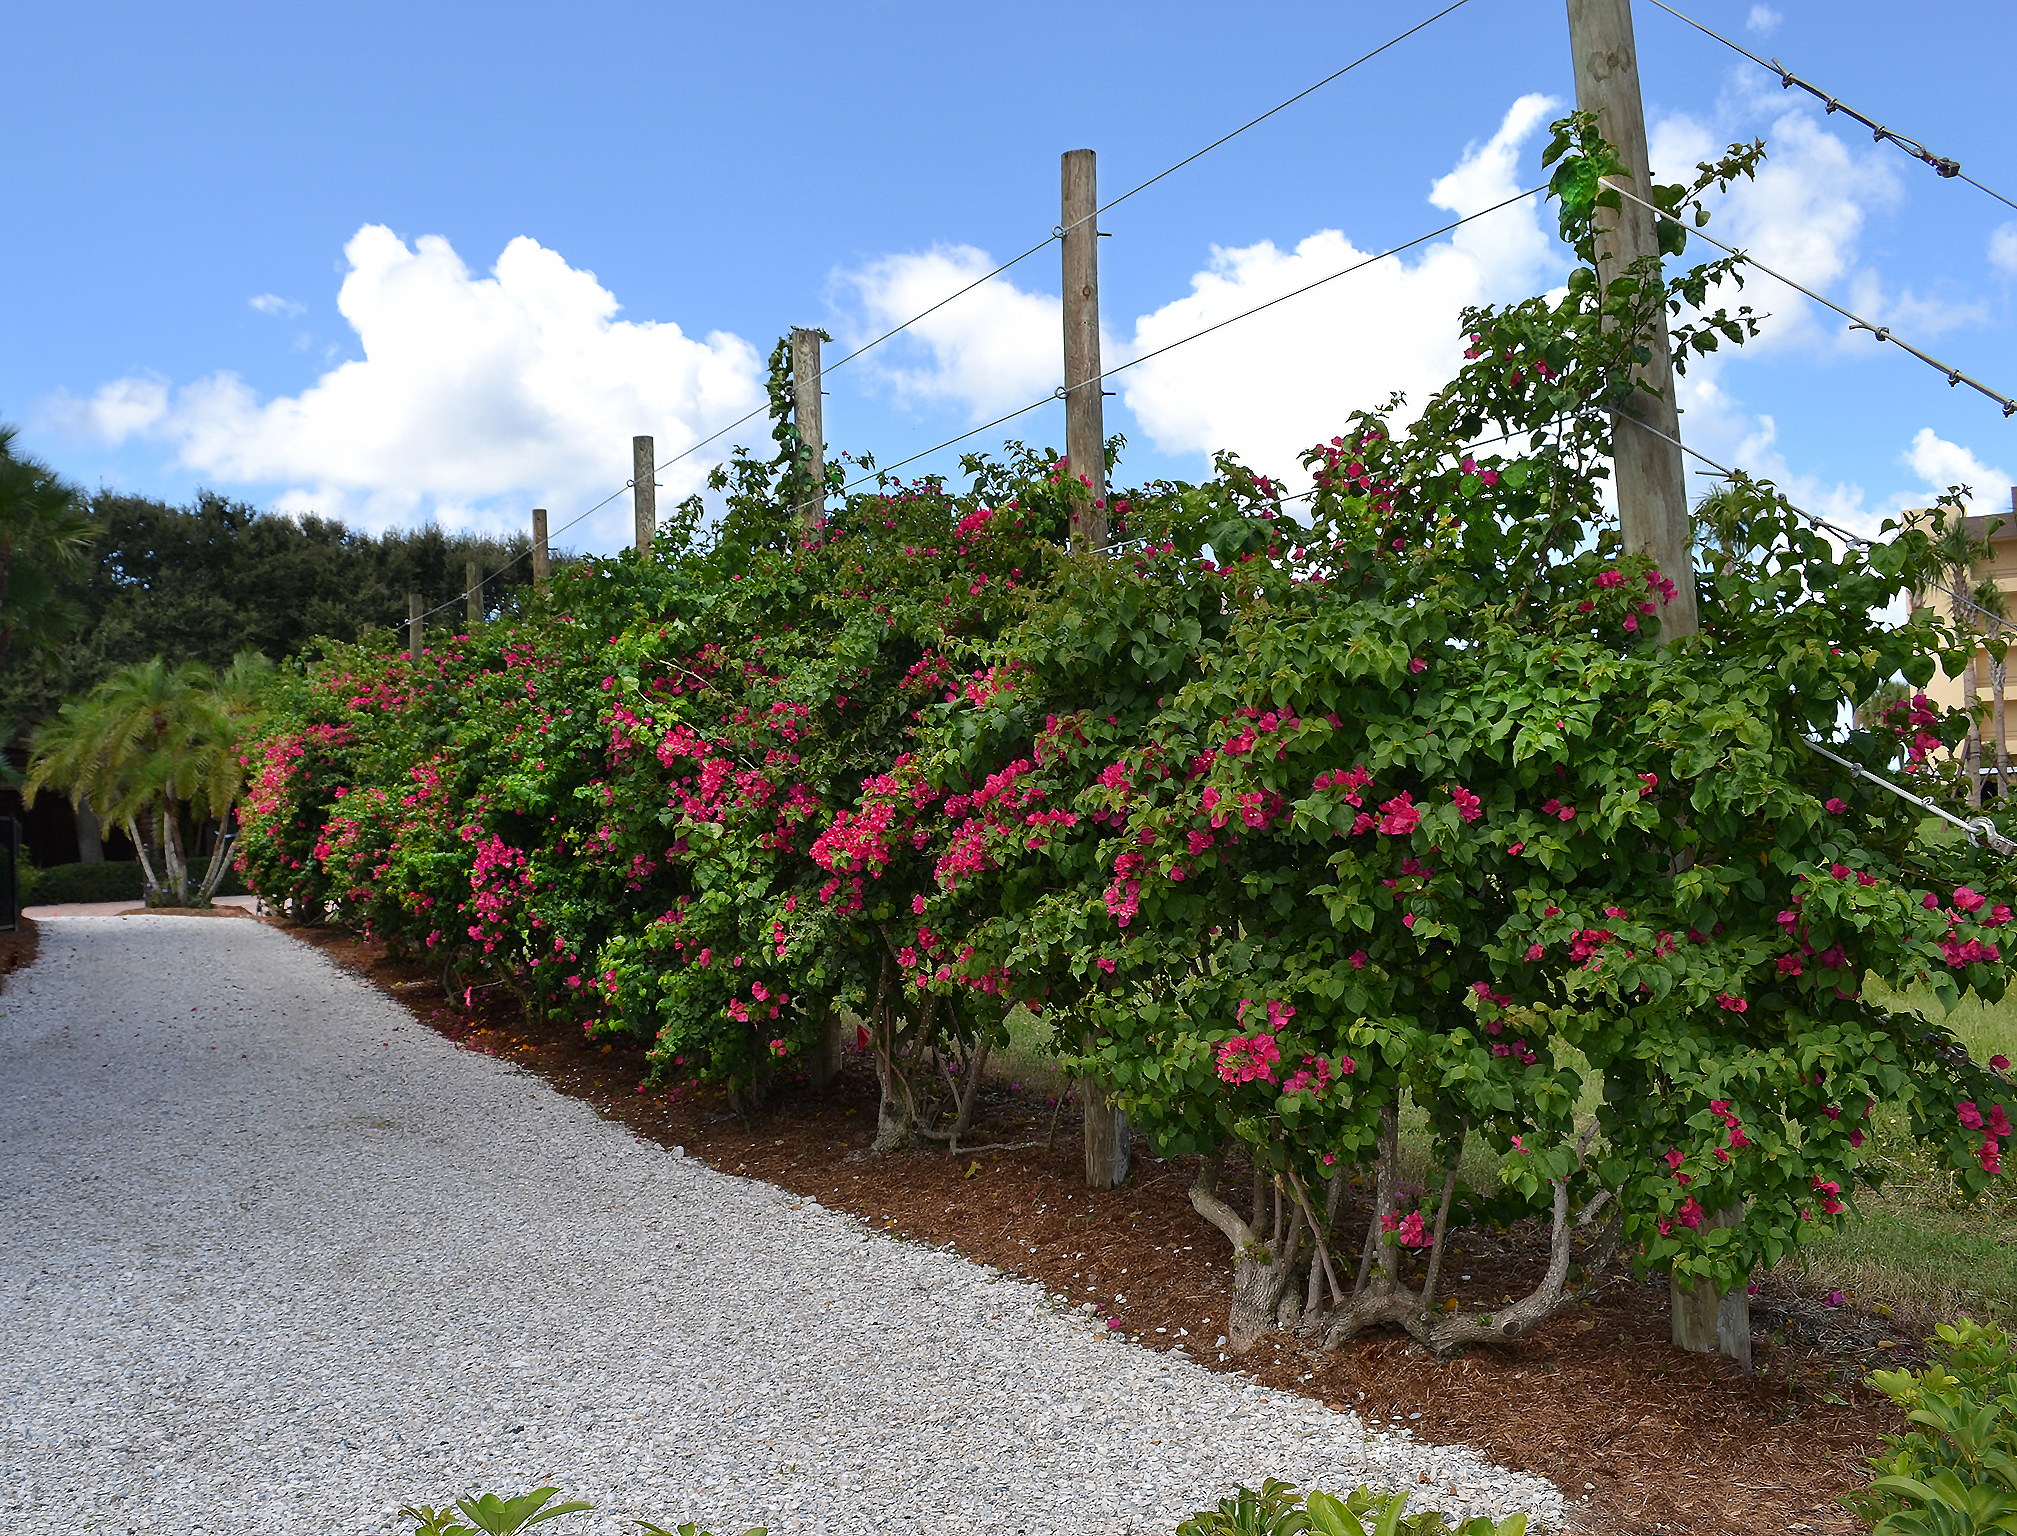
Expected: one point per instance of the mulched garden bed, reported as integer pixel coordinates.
(1595, 1398)
(18, 948)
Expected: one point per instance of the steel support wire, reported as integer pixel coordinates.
(1856, 321)
(1218, 325)
(1982, 829)
(1943, 164)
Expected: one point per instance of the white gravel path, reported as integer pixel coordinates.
(273, 1257)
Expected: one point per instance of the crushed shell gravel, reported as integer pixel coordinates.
(275, 1258)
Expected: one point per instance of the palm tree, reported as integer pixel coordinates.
(45, 534)
(1957, 552)
(1995, 614)
(156, 742)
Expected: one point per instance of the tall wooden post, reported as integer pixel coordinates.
(1106, 1127)
(1652, 485)
(413, 624)
(472, 587)
(811, 423)
(1085, 416)
(644, 477)
(542, 565)
(1651, 475)
(810, 417)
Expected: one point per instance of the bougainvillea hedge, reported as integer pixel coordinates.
(1285, 815)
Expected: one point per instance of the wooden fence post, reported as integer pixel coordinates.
(1652, 477)
(644, 477)
(811, 423)
(413, 624)
(473, 587)
(1085, 416)
(541, 562)
(1106, 1127)
(1652, 483)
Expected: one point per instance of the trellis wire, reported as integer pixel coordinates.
(1857, 322)
(1982, 828)
(1057, 233)
(1945, 165)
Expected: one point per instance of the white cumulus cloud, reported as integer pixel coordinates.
(274, 304)
(992, 350)
(1272, 385)
(1940, 464)
(2003, 248)
(1763, 20)
(475, 399)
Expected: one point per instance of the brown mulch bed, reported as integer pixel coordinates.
(183, 912)
(18, 948)
(1671, 1441)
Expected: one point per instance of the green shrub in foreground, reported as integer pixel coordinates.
(1955, 1472)
(494, 1516)
(1278, 1510)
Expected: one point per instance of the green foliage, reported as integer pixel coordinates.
(207, 581)
(1955, 1472)
(646, 1528)
(113, 880)
(161, 744)
(490, 1515)
(1278, 1510)
(44, 538)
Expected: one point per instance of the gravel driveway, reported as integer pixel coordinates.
(276, 1258)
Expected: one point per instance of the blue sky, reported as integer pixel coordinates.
(402, 262)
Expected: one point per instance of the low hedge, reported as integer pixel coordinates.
(109, 881)
(112, 880)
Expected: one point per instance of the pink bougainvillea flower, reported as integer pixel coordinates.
(1358, 959)
(1968, 1114)
(2000, 1063)
(1416, 664)
(1516, 849)
(1966, 900)
(1837, 807)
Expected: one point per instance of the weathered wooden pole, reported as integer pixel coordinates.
(644, 481)
(1106, 1126)
(472, 584)
(413, 625)
(542, 565)
(1085, 417)
(1651, 475)
(1652, 486)
(811, 425)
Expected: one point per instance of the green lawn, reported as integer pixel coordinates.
(1918, 1250)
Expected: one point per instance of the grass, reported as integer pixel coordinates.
(1919, 1252)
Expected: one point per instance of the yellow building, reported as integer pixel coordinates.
(2000, 529)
